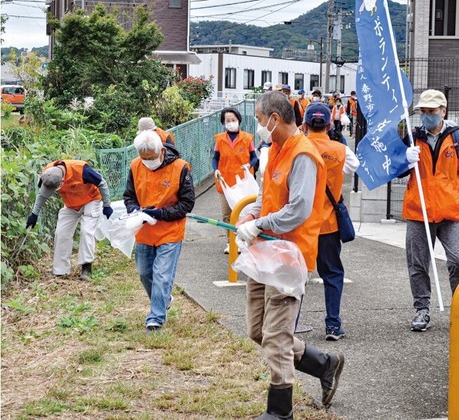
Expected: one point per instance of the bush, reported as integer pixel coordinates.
(195, 89)
(172, 109)
(7, 109)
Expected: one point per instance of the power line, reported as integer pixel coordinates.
(222, 5)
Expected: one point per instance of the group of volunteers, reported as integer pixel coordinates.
(304, 159)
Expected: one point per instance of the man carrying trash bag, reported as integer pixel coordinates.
(160, 184)
(289, 206)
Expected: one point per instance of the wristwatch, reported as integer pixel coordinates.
(258, 223)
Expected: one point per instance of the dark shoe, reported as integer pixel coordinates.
(334, 334)
(153, 326)
(280, 403)
(86, 271)
(421, 321)
(330, 378)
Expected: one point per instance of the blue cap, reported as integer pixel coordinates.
(317, 115)
(301, 91)
(286, 87)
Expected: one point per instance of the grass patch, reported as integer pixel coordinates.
(73, 349)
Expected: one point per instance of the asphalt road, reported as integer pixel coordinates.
(390, 372)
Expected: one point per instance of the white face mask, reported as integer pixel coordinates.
(152, 164)
(315, 99)
(264, 133)
(232, 126)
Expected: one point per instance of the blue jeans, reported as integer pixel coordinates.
(331, 271)
(156, 266)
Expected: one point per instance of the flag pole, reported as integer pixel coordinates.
(416, 167)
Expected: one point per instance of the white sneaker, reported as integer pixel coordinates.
(226, 251)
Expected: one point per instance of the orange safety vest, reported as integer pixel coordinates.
(335, 111)
(164, 134)
(440, 184)
(352, 106)
(233, 154)
(74, 192)
(334, 156)
(158, 189)
(276, 193)
(303, 102)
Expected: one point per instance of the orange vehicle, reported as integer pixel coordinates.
(15, 95)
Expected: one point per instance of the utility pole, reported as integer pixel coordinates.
(330, 15)
(337, 36)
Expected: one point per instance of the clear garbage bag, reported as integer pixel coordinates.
(276, 263)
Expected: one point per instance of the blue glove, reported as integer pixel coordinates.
(31, 220)
(155, 213)
(107, 211)
(132, 208)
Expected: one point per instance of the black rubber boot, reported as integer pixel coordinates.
(86, 271)
(325, 366)
(279, 404)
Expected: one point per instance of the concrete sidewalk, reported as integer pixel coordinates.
(390, 372)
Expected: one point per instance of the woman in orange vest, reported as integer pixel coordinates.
(160, 184)
(83, 191)
(337, 111)
(302, 102)
(234, 149)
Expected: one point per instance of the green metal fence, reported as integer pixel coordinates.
(194, 141)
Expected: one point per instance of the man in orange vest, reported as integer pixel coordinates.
(290, 207)
(287, 90)
(339, 160)
(302, 102)
(83, 191)
(436, 152)
(159, 183)
(147, 124)
(351, 109)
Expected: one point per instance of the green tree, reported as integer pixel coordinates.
(95, 57)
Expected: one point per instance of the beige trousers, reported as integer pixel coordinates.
(271, 320)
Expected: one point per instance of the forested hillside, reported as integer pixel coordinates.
(311, 25)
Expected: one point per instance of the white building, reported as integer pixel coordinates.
(237, 69)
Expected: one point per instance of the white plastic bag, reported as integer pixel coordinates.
(123, 229)
(242, 188)
(276, 263)
(103, 225)
(345, 119)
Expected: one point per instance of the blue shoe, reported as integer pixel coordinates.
(334, 334)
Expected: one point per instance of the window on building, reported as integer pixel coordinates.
(230, 78)
(249, 79)
(266, 76)
(299, 81)
(175, 4)
(283, 78)
(313, 81)
(443, 18)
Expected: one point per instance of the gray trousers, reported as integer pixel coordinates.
(418, 257)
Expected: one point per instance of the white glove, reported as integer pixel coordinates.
(217, 173)
(248, 231)
(412, 154)
(246, 165)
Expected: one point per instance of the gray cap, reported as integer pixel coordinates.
(51, 179)
(146, 123)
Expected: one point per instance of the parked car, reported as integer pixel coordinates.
(15, 95)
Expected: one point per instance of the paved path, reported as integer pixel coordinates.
(390, 372)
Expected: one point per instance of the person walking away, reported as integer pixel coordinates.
(337, 111)
(436, 152)
(339, 160)
(351, 110)
(289, 206)
(316, 96)
(160, 184)
(233, 150)
(303, 103)
(86, 196)
(147, 124)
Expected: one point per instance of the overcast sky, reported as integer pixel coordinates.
(26, 25)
